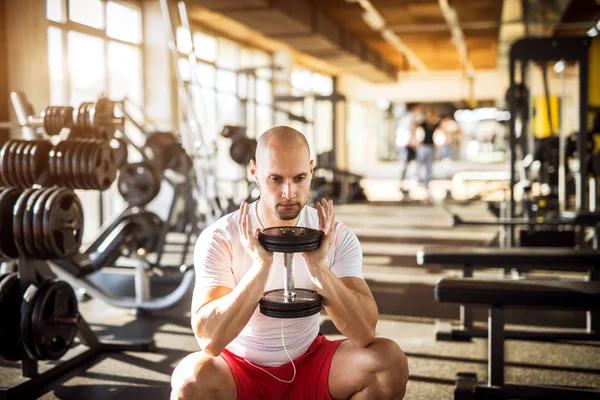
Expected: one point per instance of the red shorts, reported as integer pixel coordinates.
(311, 381)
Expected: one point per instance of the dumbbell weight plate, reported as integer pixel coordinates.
(306, 303)
(62, 224)
(290, 239)
(18, 213)
(11, 346)
(17, 163)
(69, 180)
(29, 299)
(86, 154)
(104, 169)
(25, 165)
(27, 224)
(91, 132)
(3, 170)
(54, 320)
(138, 183)
(75, 162)
(60, 163)
(8, 198)
(102, 118)
(10, 163)
(48, 120)
(38, 221)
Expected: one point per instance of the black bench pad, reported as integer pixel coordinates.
(520, 293)
(532, 256)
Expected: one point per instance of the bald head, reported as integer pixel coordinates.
(280, 139)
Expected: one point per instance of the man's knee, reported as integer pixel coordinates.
(197, 376)
(392, 367)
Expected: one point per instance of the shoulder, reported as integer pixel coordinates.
(224, 229)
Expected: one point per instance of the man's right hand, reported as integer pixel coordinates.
(250, 239)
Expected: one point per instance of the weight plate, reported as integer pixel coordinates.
(62, 225)
(38, 221)
(39, 162)
(11, 346)
(66, 117)
(242, 150)
(86, 154)
(290, 314)
(92, 160)
(89, 129)
(290, 239)
(160, 148)
(68, 180)
(75, 161)
(79, 122)
(59, 163)
(26, 177)
(17, 173)
(18, 212)
(105, 170)
(8, 198)
(3, 170)
(48, 120)
(27, 304)
(138, 183)
(10, 163)
(28, 217)
(307, 302)
(103, 118)
(54, 320)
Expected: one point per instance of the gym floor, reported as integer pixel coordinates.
(390, 234)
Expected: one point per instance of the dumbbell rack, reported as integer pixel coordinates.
(34, 377)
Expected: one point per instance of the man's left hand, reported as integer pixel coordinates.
(315, 260)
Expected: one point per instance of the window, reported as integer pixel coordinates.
(106, 60)
(87, 12)
(94, 49)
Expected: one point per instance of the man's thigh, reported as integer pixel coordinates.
(353, 367)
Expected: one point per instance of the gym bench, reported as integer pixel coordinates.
(522, 259)
(498, 295)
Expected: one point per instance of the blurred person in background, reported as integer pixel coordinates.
(406, 140)
(425, 150)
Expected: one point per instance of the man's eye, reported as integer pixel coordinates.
(300, 178)
(276, 179)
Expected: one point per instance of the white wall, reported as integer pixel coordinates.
(427, 87)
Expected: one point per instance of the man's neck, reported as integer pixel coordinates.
(268, 220)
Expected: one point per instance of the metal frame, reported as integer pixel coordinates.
(545, 50)
(34, 379)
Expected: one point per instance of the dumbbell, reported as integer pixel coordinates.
(290, 302)
(90, 120)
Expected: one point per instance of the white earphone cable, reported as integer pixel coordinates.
(288, 355)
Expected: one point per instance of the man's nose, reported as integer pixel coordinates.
(288, 190)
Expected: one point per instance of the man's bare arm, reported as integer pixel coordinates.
(350, 305)
(219, 313)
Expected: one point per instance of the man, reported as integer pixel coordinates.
(426, 149)
(245, 354)
(406, 140)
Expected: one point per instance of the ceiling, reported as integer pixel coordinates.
(335, 31)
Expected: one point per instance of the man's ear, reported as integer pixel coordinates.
(253, 170)
(312, 167)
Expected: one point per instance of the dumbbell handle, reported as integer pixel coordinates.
(289, 289)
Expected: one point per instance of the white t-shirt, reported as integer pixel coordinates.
(221, 260)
